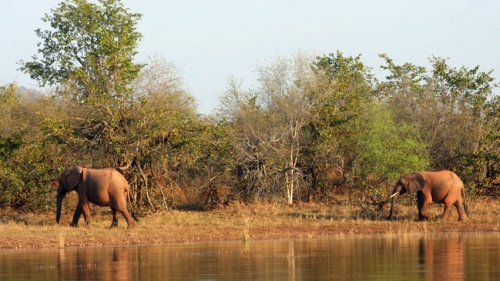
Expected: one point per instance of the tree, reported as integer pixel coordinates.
(89, 54)
(91, 46)
(247, 122)
(387, 149)
(269, 122)
(28, 152)
(447, 106)
(464, 97)
(335, 132)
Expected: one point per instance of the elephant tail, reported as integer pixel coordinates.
(466, 208)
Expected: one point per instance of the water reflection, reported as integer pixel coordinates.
(94, 264)
(442, 259)
(431, 257)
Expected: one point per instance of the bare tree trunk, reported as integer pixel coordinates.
(145, 179)
(289, 182)
(161, 191)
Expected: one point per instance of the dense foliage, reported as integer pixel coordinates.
(310, 128)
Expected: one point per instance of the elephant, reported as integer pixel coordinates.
(103, 187)
(439, 187)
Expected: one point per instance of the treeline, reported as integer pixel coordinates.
(311, 128)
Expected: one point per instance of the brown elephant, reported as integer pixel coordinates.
(439, 187)
(103, 187)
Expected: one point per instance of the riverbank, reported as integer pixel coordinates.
(236, 222)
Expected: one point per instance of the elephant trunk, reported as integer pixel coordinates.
(393, 203)
(394, 198)
(60, 197)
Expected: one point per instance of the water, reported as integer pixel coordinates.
(430, 257)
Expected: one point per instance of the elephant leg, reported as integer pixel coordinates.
(86, 213)
(128, 218)
(76, 216)
(446, 211)
(422, 204)
(121, 207)
(461, 210)
(114, 222)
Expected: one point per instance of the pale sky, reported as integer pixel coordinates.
(212, 40)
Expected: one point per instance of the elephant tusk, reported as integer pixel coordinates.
(393, 195)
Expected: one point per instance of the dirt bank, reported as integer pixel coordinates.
(19, 231)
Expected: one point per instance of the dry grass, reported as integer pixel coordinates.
(238, 222)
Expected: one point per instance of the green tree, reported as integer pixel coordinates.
(118, 113)
(464, 97)
(91, 46)
(455, 113)
(334, 134)
(89, 54)
(387, 149)
(29, 155)
(447, 106)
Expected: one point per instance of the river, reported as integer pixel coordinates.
(468, 256)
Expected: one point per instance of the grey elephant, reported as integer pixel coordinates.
(439, 187)
(102, 187)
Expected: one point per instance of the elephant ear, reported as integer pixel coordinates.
(72, 178)
(416, 181)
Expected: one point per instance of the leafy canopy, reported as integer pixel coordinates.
(90, 45)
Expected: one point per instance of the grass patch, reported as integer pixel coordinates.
(238, 222)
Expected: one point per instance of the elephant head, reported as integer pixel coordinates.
(409, 183)
(68, 181)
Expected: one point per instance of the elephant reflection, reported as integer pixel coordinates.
(90, 264)
(443, 259)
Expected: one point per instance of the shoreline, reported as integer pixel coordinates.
(30, 231)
